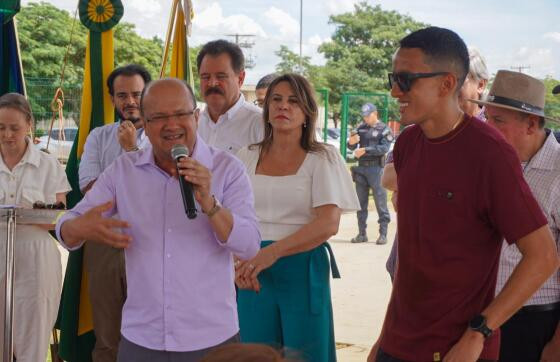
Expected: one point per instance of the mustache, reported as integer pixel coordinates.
(213, 90)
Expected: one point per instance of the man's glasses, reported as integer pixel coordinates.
(404, 80)
(181, 117)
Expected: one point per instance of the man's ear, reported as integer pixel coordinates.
(533, 122)
(196, 115)
(241, 76)
(448, 84)
(113, 101)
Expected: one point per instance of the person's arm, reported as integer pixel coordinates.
(389, 177)
(379, 149)
(235, 224)
(126, 134)
(539, 261)
(309, 236)
(90, 162)
(93, 226)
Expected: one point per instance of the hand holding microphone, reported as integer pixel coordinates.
(194, 179)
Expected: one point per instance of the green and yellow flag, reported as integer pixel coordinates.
(179, 27)
(74, 315)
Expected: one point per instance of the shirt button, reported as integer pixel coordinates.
(12, 196)
(168, 230)
(169, 255)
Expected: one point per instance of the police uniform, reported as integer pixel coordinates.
(376, 140)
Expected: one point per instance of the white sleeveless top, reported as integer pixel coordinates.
(284, 204)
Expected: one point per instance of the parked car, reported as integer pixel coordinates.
(333, 138)
(60, 143)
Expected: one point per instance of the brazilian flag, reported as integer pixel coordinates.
(11, 74)
(74, 315)
(181, 16)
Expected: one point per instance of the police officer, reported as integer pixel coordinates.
(374, 139)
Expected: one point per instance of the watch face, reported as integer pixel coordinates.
(477, 322)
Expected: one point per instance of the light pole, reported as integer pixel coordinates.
(300, 36)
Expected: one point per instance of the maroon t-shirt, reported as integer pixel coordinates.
(459, 196)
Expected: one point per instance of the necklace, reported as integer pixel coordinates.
(457, 121)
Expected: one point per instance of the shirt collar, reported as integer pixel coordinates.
(546, 156)
(230, 112)
(201, 153)
(31, 156)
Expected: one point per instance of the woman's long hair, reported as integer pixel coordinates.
(305, 95)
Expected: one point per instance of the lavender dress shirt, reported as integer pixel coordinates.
(181, 293)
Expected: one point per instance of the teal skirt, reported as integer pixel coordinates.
(293, 309)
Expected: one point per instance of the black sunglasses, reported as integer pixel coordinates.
(404, 80)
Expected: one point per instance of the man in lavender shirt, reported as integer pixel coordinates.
(181, 298)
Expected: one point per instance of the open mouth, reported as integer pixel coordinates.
(172, 137)
(402, 106)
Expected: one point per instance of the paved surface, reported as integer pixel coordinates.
(360, 297)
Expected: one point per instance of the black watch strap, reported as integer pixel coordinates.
(478, 324)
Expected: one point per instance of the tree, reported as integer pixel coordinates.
(290, 63)
(360, 52)
(44, 34)
(552, 102)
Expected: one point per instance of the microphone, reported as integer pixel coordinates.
(179, 151)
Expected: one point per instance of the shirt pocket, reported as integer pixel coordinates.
(443, 213)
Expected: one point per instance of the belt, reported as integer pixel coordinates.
(367, 163)
(539, 308)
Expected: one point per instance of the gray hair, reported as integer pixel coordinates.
(477, 65)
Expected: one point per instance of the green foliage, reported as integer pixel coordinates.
(290, 63)
(44, 35)
(359, 55)
(552, 102)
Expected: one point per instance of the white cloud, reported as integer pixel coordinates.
(554, 36)
(146, 8)
(340, 6)
(286, 24)
(212, 22)
(540, 61)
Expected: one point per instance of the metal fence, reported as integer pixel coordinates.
(40, 92)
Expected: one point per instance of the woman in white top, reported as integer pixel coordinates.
(301, 188)
(28, 175)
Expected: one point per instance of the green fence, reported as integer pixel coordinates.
(351, 104)
(40, 92)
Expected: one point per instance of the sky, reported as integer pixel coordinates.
(508, 33)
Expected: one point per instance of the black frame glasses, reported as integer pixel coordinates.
(404, 80)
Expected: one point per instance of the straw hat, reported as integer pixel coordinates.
(518, 92)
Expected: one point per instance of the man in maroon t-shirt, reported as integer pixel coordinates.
(461, 192)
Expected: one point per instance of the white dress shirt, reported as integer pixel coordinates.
(240, 126)
(102, 147)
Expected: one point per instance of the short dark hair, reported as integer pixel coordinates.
(220, 46)
(441, 47)
(127, 71)
(177, 80)
(265, 81)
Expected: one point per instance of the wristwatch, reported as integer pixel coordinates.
(478, 324)
(217, 206)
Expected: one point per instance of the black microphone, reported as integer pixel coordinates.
(177, 152)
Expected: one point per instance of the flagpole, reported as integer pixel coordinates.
(168, 37)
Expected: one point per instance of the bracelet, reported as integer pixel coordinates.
(214, 208)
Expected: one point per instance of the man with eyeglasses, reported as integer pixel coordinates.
(374, 139)
(460, 193)
(228, 122)
(105, 265)
(180, 299)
